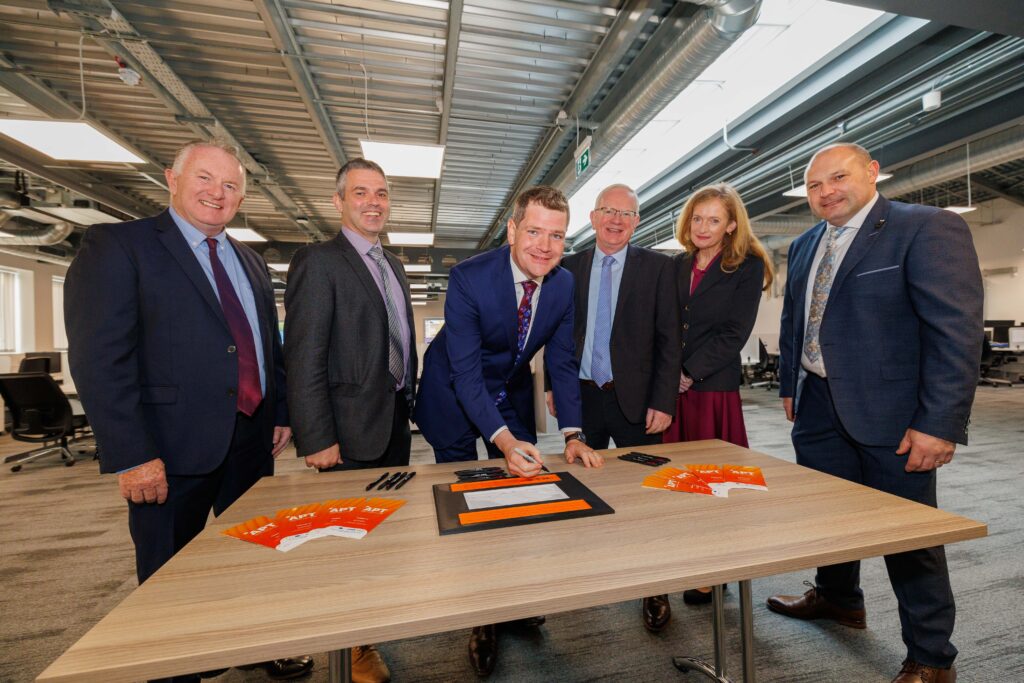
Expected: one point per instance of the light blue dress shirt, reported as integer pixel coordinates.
(236, 273)
(592, 295)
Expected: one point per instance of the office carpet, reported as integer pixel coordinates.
(66, 560)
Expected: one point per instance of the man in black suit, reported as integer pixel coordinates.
(350, 348)
(173, 346)
(626, 329)
(627, 338)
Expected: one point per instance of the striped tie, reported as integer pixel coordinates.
(600, 359)
(396, 360)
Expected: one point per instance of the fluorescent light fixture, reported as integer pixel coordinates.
(418, 303)
(417, 267)
(82, 216)
(407, 161)
(671, 244)
(418, 285)
(246, 235)
(67, 140)
(410, 239)
(960, 209)
(801, 190)
(421, 297)
(279, 267)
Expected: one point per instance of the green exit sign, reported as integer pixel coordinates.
(583, 157)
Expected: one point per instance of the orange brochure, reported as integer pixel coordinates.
(716, 480)
(740, 477)
(299, 524)
(675, 479)
(368, 515)
(262, 530)
(335, 512)
(713, 476)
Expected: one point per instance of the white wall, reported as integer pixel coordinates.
(998, 230)
(37, 300)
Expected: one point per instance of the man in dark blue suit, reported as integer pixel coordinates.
(174, 348)
(880, 344)
(501, 308)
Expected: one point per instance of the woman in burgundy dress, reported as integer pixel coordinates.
(720, 278)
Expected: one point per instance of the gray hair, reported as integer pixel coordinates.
(182, 155)
(616, 186)
(357, 164)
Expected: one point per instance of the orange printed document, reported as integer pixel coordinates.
(262, 530)
(291, 527)
(707, 479)
(675, 479)
(299, 524)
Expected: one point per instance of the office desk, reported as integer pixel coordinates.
(222, 602)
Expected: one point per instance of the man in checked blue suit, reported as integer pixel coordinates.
(880, 345)
(501, 308)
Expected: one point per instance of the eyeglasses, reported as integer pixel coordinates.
(609, 212)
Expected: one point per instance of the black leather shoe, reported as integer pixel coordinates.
(656, 612)
(483, 649)
(699, 597)
(530, 622)
(813, 605)
(284, 669)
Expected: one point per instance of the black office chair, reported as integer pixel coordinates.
(986, 366)
(767, 368)
(42, 414)
(34, 364)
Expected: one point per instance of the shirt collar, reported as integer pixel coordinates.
(858, 219)
(619, 256)
(517, 275)
(193, 235)
(361, 244)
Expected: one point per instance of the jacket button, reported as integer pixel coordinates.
(686, 308)
(231, 392)
(686, 326)
(684, 345)
(232, 349)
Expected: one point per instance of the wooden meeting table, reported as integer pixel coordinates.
(222, 602)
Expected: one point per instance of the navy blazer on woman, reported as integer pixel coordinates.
(717, 320)
(151, 352)
(474, 356)
(902, 329)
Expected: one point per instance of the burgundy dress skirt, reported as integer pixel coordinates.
(707, 414)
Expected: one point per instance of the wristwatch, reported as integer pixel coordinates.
(578, 436)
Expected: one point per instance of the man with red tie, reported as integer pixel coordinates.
(174, 349)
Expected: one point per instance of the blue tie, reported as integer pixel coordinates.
(600, 359)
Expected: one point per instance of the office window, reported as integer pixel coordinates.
(60, 336)
(9, 304)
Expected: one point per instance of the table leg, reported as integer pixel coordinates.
(747, 632)
(339, 666)
(716, 673)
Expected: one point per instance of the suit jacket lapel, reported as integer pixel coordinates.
(508, 303)
(713, 276)
(867, 237)
(177, 245)
(683, 287)
(583, 283)
(358, 266)
(630, 274)
(257, 280)
(800, 271)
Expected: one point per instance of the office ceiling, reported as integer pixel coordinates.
(297, 83)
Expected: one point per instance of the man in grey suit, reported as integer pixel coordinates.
(350, 348)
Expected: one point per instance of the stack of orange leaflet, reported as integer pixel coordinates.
(291, 527)
(707, 479)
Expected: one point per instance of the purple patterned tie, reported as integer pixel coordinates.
(523, 317)
(249, 392)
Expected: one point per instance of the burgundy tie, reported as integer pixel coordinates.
(249, 392)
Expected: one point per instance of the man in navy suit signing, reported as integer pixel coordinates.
(174, 349)
(880, 345)
(501, 308)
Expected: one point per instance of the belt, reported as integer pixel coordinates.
(607, 386)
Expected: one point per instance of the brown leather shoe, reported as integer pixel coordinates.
(483, 649)
(656, 612)
(912, 672)
(368, 666)
(811, 605)
(281, 669)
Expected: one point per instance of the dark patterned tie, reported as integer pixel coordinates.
(523, 317)
(396, 360)
(819, 294)
(249, 392)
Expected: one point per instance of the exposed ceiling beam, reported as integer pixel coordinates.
(119, 37)
(451, 53)
(991, 188)
(275, 18)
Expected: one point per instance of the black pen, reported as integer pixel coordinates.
(379, 480)
(391, 484)
(403, 482)
(529, 459)
(390, 481)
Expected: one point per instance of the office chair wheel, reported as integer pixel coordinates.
(69, 463)
(16, 468)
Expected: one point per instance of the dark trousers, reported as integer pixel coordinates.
(919, 578)
(160, 531)
(603, 420)
(464, 448)
(395, 452)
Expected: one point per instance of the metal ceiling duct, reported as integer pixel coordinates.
(783, 225)
(32, 235)
(689, 47)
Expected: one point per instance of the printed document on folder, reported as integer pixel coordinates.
(516, 495)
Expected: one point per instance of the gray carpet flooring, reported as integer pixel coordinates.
(66, 560)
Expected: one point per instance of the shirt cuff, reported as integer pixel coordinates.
(570, 430)
(129, 469)
(494, 436)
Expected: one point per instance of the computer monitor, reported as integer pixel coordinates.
(1016, 338)
(1000, 330)
(52, 356)
(431, 326)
